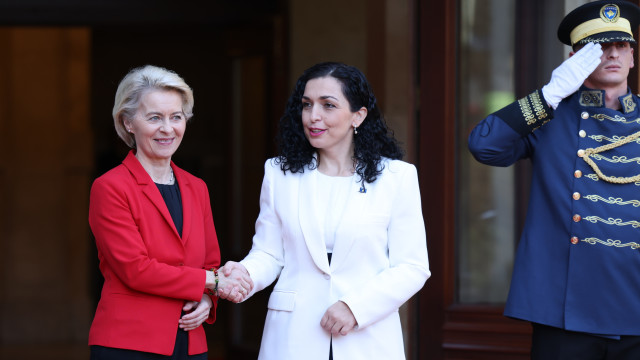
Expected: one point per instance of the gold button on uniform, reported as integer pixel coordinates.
(577, 174)
(581, 153)
(576, 196)
(584, 115)
(577, 218)
(582, 133)
(574, 240)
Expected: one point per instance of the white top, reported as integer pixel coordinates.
(331, 199)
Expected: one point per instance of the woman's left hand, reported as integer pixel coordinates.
(338, 319)
(197, 313)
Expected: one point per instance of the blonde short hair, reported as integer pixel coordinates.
(136, 83)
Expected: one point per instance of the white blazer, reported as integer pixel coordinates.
(379, 261)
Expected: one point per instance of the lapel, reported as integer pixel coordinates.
(355, 209)
(150, 190)
(313, 231)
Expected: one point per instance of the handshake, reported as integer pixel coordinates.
(234, 282)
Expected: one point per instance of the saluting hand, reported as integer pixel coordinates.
(569, 76)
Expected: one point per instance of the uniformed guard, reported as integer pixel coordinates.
(576, 275)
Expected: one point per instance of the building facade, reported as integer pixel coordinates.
(438, 67)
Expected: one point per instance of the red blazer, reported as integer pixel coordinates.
(149, 270)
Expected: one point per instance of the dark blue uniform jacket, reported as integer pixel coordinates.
(577, 264)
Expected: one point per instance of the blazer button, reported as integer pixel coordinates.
(577, 174)
(577, 218)
(580, 153)
(576, 196)
(582, 133)
(584, 115)
(574, 240)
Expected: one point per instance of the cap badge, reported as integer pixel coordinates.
(610, 13)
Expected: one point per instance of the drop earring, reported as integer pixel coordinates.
(355, 130)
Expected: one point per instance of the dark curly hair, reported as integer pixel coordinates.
(373, 141)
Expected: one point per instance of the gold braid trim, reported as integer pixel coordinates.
(611, 242)
(612, 179)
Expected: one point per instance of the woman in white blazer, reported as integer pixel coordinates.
(340, 226)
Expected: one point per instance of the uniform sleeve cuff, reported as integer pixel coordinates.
(527, 114)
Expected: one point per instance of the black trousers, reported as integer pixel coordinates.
(551, 343)
(180, 352)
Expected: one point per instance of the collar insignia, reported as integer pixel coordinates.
(591, 98)
(627, 102)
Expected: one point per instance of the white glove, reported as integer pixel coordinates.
(569, 76)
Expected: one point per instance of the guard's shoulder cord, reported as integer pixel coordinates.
(612, 179)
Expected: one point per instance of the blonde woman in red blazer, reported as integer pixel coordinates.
(154, 232)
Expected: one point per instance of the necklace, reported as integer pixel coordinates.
(170, 182)
(171, 178)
